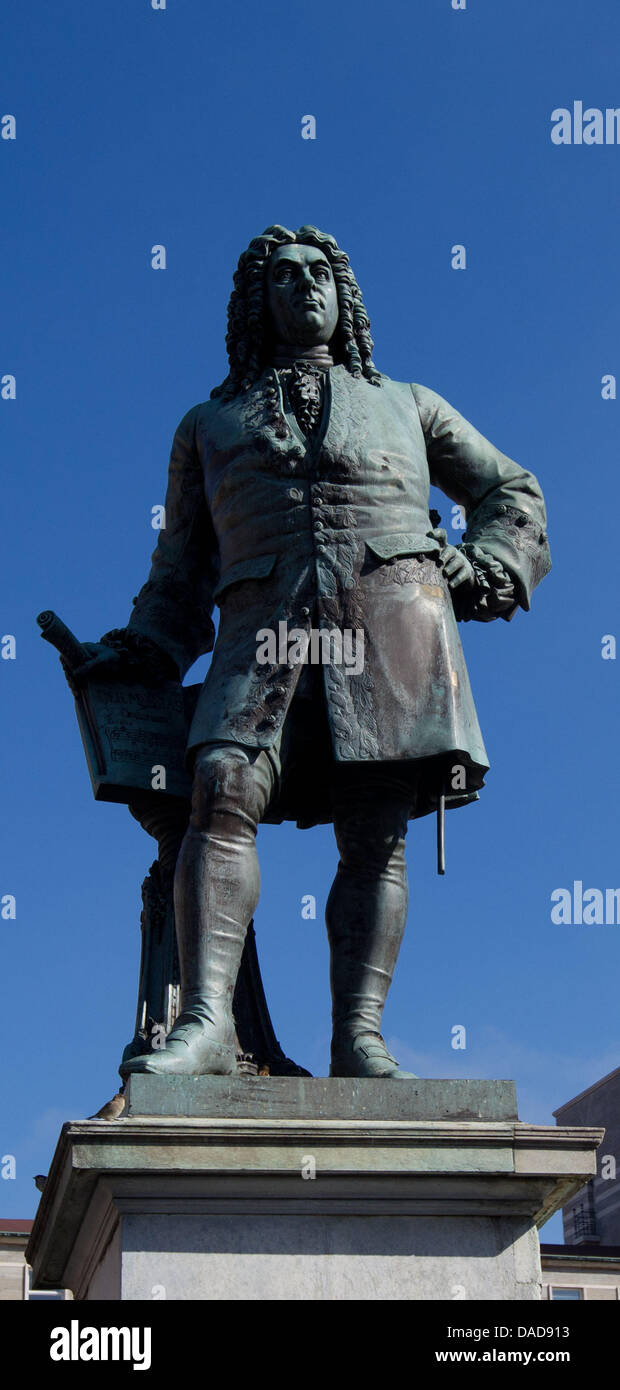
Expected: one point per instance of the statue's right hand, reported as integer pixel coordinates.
(101, 660)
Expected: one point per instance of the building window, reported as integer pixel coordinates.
(584, 1224)
(584, 1217)
(566, 1293)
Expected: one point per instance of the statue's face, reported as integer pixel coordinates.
(302, 296)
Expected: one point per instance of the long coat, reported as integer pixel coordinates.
(336, 533)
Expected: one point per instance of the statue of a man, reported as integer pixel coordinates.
(298, 502)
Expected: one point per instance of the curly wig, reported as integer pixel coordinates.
(247, 339)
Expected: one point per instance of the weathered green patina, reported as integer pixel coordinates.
(298, 503)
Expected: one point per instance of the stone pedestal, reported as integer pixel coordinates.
(283, 1188)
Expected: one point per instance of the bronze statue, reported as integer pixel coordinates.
(298, 503)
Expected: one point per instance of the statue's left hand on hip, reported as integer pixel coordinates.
(457, 568)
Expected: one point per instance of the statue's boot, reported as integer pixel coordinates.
(216, 889)
(366, 916)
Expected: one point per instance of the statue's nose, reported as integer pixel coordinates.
(305, 280)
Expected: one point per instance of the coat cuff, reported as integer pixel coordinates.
(517, 542)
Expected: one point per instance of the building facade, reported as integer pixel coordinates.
(592, 1217)
(15, 1272)
(580, 1272)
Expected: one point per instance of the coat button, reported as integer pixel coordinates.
(305, 612)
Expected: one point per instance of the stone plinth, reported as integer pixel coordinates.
(287, 1188)
(319, 1098)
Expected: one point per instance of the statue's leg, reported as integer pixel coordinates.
(366, 916)
(216, 890)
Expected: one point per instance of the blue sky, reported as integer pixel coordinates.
(183, 127)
